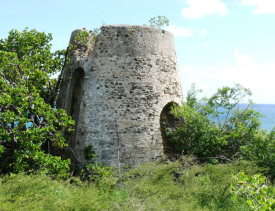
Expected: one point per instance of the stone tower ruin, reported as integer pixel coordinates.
(118, 90)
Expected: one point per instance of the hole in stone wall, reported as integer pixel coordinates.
(76, 92)
(167, 120)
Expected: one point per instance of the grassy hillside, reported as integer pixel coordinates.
(180, 185)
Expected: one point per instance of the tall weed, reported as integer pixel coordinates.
(180, 185)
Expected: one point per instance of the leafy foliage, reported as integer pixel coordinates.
(89, 153)
(215, 128)
(94, 32)
(159, 21)
(259, 195)
(261, 149)
(31, 129)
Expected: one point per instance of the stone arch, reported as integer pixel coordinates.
(167, 120)
(74, 104)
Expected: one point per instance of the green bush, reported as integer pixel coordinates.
(259, 195)
(261, 149)
(159, 21)
(216, 129)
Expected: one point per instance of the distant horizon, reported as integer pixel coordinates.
(268, 110)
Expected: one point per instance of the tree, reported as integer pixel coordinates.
(159, 21)
(215, 128)
(31, 129)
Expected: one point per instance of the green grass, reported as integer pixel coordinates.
(181, 185)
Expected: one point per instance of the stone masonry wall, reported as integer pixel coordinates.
(128, 79)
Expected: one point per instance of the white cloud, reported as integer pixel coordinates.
(199, 8)
(201, 32)
(205, 44)
(263, 6)
(243, 59)
(179, 31)
(260, 79)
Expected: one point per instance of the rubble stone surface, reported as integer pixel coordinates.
(117, 92)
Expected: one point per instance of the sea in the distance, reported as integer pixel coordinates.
(268, 110)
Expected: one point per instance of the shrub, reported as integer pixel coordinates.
(259, 195)
(216, 128)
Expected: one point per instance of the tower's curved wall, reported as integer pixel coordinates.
(130, 76)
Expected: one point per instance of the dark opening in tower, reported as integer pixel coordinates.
(74, 109)
(167, 120)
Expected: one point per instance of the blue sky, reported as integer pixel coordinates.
(218, 42)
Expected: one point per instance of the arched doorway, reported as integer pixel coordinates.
(167, 120)
(74, 109)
